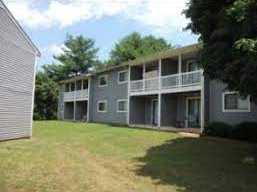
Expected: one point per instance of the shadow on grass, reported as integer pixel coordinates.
(200, 165)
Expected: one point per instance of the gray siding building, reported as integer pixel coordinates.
(17, 74)
(166, 90)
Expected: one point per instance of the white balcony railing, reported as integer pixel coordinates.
(167, 82)
(76, 95)
(181, 80)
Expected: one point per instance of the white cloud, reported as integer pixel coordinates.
(162, 15)
(56, 49)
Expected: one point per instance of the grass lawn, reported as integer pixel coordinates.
(74, 157)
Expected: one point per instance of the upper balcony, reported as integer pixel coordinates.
(170, 75)
(76, 91)
(170, 83)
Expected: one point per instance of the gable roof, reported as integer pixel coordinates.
(24, 34)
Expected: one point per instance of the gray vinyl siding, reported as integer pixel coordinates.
(17, 60)
(215, 107)
(111, 93)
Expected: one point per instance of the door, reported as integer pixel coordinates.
(154, 112)
(193, 112)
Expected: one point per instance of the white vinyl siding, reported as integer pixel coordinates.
(17, 61)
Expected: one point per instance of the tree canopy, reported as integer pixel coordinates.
(79, 55)
(228, 31)
(134, 46)
(46, 97)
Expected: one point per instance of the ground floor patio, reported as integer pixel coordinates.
(177, 110)
(76, 111)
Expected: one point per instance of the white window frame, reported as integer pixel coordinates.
(122, 82)
(117, 105)
(102, 101)
(234, 110)
(106, 78)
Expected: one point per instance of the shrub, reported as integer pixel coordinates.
(218, 129)
(245, 131)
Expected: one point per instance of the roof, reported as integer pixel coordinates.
(147, 59)
(159, 55)
(80, 77)
(20, 29)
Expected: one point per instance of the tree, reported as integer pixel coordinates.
(79, 55)
(134, 46)
(46, 97)
(228, 31)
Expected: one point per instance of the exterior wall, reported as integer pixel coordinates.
(215, 107)
(17, 61)
(111, 93)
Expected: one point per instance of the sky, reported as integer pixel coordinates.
(48, 22)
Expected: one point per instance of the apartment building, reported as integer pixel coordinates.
(166, 90)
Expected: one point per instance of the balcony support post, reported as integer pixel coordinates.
(88, 97)
(128, 102)
(144, 76)
(74, 103)
(202, 103)
(180, 70)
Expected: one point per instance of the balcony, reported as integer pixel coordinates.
(78, 95)
(170, 83)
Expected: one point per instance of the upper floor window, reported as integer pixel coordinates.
(72, 86)
(232, 102)
(102, 81)
(122, 77)
(78, 85)
(85, 84)
(192, 65)
(102, 106)
(122, 105)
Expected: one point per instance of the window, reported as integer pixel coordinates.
(72, 87)
(122, 105)
(67, 87)
(85, 84)
(102, 106)
(102, 80)
(122, 77)
(192, 65)
(78, 84)
(232, 102)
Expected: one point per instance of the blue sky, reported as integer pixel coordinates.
(106, 21)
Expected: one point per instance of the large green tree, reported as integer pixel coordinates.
(46, 97)
(134, 46)
(228, 31)
(79, 55)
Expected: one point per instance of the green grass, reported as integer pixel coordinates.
(74, 157)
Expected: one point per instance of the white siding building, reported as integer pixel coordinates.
(17, 77)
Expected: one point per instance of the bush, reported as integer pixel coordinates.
(218, 129)
(246, 131)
